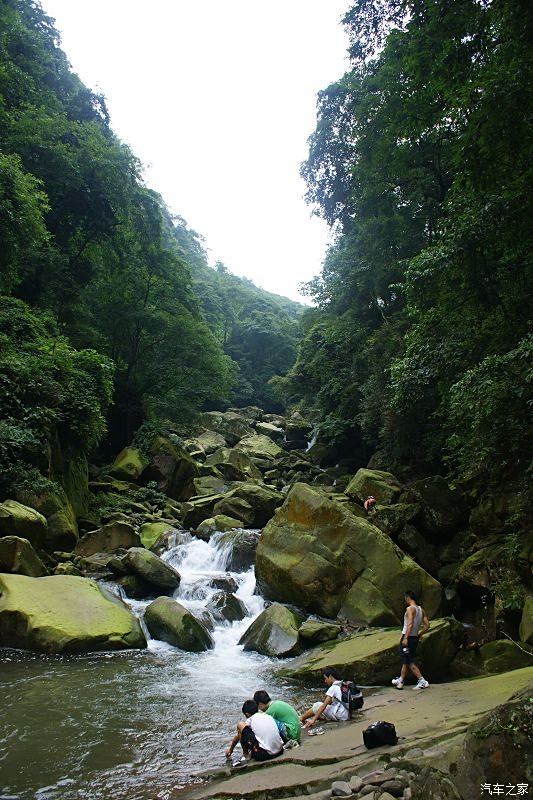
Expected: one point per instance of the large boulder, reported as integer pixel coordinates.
(501, 655)
(423, 552)
(498, 749)
(391, 519)
(381, 485)
(129, 464)
(172, 468)
(230, 505)
(259, 446)
(235, 465)
(107, 539)
(263, 500)
(150, 532)
(151, 568)
(210, 484)
(210, 441)
(526, 623)
(62, 527)
(444, 510)
(230, 425)
(18, 556)
(199, 508)
(219, 524)
(274, 632)
(372, 657)
(317, 555)
(169, 621)
(298, 432)
(315, 631)
(64, 614)
(270, 430)
(241, 548)
(226, 607)
(19, 520)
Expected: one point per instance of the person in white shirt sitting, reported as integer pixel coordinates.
(259, 735)
(332, 709)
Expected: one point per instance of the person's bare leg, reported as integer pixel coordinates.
(240, 727)
(405, 672)
(307, 715)
(416, 672)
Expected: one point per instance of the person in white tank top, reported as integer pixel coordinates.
(415, 625)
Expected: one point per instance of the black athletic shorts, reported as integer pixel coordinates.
(249, 741)
(408, 652)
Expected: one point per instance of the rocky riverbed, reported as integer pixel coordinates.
(227, 552)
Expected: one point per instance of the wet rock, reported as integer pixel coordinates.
(317, 555)
(526, 623)
(226, 607)
(242, 546)
(172, 468)
(274, 632)
(314, 631)
(225, 582)
(259, 446)
(491, 658)
(372, 655)
(170, 622)
(64, 614)
(151, 568)
(136, 587)
(108, 538)
(341, 789)
(171, 538)
(18, 556)
(150, 532)
(381, 485)
(207, 620)
(220, 523)
(19, 520)
(129, 464)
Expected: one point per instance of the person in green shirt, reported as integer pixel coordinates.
(282, 712)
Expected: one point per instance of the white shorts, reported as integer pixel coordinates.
(328, 713)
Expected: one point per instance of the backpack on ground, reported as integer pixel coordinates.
(379, 733)
(351, 696)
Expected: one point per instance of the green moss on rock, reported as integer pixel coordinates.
(170, 622)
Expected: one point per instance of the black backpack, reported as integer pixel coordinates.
(379, 733)
(351, 696)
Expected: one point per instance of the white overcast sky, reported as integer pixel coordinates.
(217, 99)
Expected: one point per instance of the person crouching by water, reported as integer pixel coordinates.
(332, 709)
(283, 713)
(259, 735)
(415, 625)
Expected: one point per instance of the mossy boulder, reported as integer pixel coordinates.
(381, 485)
(62, 527)
(230, 505)
(229, 424)
(262, 499)
(199, 508)
(233, 464)
(226, 607)
(501, 655)
(270, 430)
(151, 568)
(423, 552)
(150, 532)
(526, 623)
(498, 748)
(20, 520)
(169, 621)
(444, 510)
(64, 614)
(219, 524)
(274, 632)
(129, 464)
(75, 479)
(259, 446)
(298, 432)
(209, 484)
(107, 539)
(391, 519)
(172, 468)
(210, 441)
(317, 555)
(372, 656)
(18, 556)
(315, 631)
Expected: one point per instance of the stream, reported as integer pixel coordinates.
(135, 724)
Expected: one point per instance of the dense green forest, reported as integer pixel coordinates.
(109, 313)
(419, 348)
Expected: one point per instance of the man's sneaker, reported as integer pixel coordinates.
(290, 744)
(398, 682)
(422, 684)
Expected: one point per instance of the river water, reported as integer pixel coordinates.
(136, 725)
